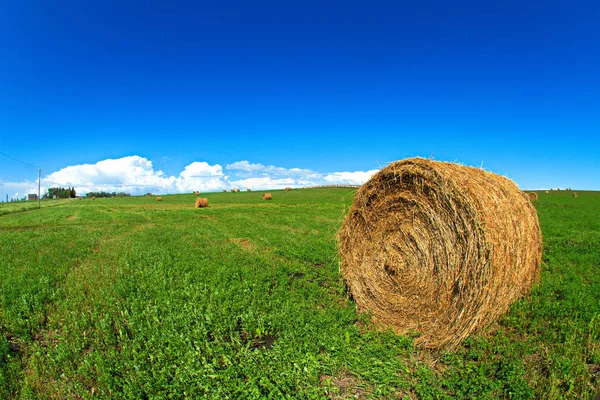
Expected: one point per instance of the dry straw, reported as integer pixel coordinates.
(224, 190)
(237, 190)
(267, 196)
(158, 198)
(287, 189)
(201, 202)
(232, 190)
(532, 196)
(547, 192)
(439, 248)
(575, 194)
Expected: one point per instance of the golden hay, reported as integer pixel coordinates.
(232, 190)
(547, 192)
(439, 248)
(158, 198)
(237, 190)
(287, 189)
(267, 196)
(575, 194)
(201, 202)
(532, 196)
(224, 190)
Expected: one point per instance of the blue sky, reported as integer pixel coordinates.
(324, 87)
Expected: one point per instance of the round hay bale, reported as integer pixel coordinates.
(158, 198)
(575, 194)
(232, 190)
(438, 248)
(224, 190)
(287, 189)
(547, 192)
(201, 202)
(532, 196)
(237, 190)
(267, 196)
(93, 198)
(248, 190)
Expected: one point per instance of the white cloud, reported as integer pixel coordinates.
(136, 175)
(349, 178)
(245, 169)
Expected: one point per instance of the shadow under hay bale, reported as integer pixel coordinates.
(201, 202)
(267, 196)
(439, 248)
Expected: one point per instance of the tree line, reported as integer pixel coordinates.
(60, 192)
(107, 194)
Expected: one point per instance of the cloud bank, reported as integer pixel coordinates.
(137, 175)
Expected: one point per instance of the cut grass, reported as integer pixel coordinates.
(131, 298)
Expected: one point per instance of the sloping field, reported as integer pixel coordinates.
(134, 298)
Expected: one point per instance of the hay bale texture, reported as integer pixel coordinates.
(287, 189)
(575, 194)
(158, 198)
(532, 196)
(439, 248)
(267, 196)
(201, 202)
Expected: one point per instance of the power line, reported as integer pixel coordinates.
(19, 161)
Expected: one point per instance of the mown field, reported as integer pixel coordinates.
(129, 298)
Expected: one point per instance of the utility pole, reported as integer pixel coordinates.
(39, 180)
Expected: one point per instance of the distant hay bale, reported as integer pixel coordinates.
(158, 198)
(224, 190)
(287, 189)
(248, 190)
(201, 202)
(267, 196)
(93, 198)
(237, 190)
(532, 196)
(232, 190)
(575, 194)
(438, 248)
(547, 192)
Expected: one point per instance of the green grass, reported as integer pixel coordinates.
(133, 298)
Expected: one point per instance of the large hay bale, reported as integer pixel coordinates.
(287, 189)
(224, 190)
(201, 202)
(237, 190)
(439, 248)
(232, 190)
(532, 196)
(158, 198)
(575, 194)
(267, 196)
(547, 192)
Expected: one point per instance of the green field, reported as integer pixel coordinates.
(130, 298)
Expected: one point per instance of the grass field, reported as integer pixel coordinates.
(131, 298)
